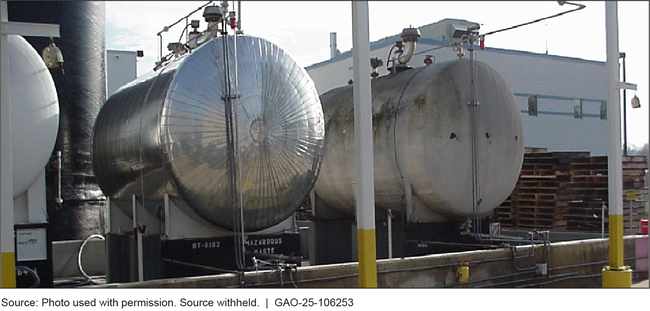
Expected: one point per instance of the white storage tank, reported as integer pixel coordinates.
(34, 112)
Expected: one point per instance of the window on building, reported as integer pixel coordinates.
(577, 108)
(603, 110)
(532, 105)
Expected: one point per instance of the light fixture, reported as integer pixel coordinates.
(635, 102)
(458, 31)
(52, 56)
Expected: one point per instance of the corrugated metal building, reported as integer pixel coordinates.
(562, 99)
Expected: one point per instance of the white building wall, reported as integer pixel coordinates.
(556, 80)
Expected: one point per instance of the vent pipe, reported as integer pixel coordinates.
(409, 36)
(334, 52)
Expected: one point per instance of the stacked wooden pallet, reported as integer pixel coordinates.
(567, 190)
(589, 188)
(634, 180)
(533, 202)
(634, 172)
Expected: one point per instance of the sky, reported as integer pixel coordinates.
(302, 29)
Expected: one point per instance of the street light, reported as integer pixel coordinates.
(635, 104)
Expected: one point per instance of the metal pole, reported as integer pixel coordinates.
(333, 52)
(622, 55)
(476, 189)
(616, 274)
(7, 246)
(138, 238)
(602, 221)
(363, 145)
(390, 233)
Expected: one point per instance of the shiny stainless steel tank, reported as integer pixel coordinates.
(422, 142)
(166, 133)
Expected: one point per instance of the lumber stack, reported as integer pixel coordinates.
(569, 190)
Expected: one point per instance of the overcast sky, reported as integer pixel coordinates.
(302, 29)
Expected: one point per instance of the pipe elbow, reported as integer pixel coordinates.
(409, 49)
(410, 37)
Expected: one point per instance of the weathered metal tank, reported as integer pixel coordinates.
(422, 143)
(166, 133)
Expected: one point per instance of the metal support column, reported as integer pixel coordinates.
(616, 274)
(8, 260)
(363, 145)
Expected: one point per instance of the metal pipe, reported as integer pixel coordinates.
(238, 18)
(390, 233)
(138, 239)
(556, 279)
(81, 249)
(476, 191)
(405, 56)
(193, 265)
(166, 28)
(280, 257)
(602, 221)
(333, 50)
(622, 55)
(59, 198)
(551, 279)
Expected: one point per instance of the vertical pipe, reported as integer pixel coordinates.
(622, 55)
(167, 206)
(390, 233)
(239, 17)
(59, 198)
(474, 115)
(602, 221)
(312, 201)
(616, 274)
(333, 50)
(363, 145)
(108, 226)
(138, 238)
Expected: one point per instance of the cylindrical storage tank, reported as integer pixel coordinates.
(166, 133)
(81, 89)
(422, 142)
(34, 111)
